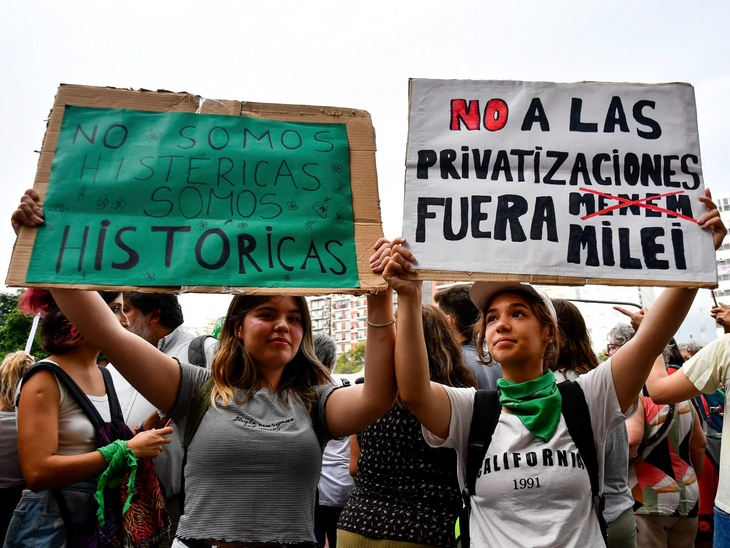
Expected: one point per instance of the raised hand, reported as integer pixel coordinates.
(721, 314)
(712, 219)
(383, 250)
(29, 212)
(635, 317)
(400, 263)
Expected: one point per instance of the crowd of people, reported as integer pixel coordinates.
(485, 420)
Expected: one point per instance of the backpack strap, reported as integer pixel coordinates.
(196, 350)
(484, 419)
(577, 418)
(198, 407)
(115, 408)
(73, 389)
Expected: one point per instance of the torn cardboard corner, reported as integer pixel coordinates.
(158, 191)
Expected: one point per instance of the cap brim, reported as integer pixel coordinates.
(482, 293)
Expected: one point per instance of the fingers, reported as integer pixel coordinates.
(383, 248)
(623, 311)
(28, 212)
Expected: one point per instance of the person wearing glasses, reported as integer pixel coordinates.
(617, 337)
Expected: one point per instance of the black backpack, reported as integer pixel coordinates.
(196, 351)
(485, 417)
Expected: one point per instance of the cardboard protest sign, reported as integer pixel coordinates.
(556, 183)
(165, 190)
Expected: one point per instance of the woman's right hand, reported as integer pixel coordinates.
(147, 445)
(28, 212)
(399, 263)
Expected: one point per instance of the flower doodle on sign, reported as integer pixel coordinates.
(154, 136)
(202, 225)
(102, 202)
(339, 218)
(292, 206)
(119, 205)
(149, 276)
(62, 210)
(242, 225)
(287, 277)
(336, 168)
(49, 226)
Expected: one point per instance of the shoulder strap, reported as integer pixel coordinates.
(198, 408)
(196, 350)
(577, 418)
(115, 408)
(73, 389)
(484, 420)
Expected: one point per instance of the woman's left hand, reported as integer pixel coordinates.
(711, 220)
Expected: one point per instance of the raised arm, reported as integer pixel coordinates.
(633, 362)
(428, 401)
(155, 375)
(351, 409)
(664, 388)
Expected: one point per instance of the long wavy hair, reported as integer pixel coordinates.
(12, 369)
(541, 312)
(575, 353)
(445, 361)
(233, 367)
(56, 333)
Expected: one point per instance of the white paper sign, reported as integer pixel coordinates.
(537, 178)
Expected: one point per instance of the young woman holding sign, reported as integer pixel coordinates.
(253, 465)
(532, 487)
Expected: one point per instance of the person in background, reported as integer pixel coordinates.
(691, 347)
(406, 493)
(336, 482)
(575, 357)
(666, 464)
(617, 337)
(12, 483)
(158, 319)
(57, 442)
(454, 301)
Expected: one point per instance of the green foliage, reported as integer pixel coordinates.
(15, 327)
(351, 361)
(602, 356)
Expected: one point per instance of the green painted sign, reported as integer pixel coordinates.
(171, 199)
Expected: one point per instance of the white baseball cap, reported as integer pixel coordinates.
(482, 293)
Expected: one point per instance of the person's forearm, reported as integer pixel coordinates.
(379, 388)
(61, 470)
(411, 357)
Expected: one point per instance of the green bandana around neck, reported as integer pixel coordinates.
(536, 403)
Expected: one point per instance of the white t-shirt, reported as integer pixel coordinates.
(528, 493)
(707, 369)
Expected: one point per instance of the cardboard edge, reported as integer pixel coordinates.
(445, 275)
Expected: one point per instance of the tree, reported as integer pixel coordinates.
(15, 327)
(351, 361)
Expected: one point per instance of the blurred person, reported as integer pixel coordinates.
(454, 301)
(12, 369)
(691, 347)
(336, 483)
(406, 493)
(668, 456)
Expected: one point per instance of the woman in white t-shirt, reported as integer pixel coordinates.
(533, 489)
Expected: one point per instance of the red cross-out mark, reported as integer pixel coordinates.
(626, 203)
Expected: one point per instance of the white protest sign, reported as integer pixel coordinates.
(571, 183)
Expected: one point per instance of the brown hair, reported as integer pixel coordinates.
(445, 361)
(234, 368)
(541, 312)
(576, 353)
(12, 369)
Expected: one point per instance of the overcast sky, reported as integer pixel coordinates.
(347, 54)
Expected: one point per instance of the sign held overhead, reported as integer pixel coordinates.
(556, 183)
(161, 190)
